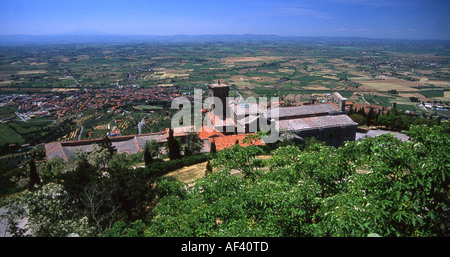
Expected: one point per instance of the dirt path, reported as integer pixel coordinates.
(190, 174)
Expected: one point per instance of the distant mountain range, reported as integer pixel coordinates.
(83, 36)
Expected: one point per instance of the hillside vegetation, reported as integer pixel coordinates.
(375, 186)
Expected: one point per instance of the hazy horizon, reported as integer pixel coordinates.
(377, 19)
(97, 36)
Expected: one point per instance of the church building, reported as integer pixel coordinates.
(326, 121)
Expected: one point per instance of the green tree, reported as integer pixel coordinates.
(378, 185)
(374, 186)
(52, 170)
(371, 117)
(312, 144)
(285, 156)
(393, 120)
(76, 180)
(34, 176)
(213, 148)
(358, 118)
(130, 190)
(151, 151)
(244, 159)
(148, 159)
(49, 213)
(209, 169)
(99, 157)
(121, 229)
(193, 144)
(106, 143)
(90, 191)
(174, 146)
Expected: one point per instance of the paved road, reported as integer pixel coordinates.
(3, 225)
(140, 124)
(81, 131)
(240, 96)
(362, 95)
(376, 132)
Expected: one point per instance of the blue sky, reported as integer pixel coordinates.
(402, 19)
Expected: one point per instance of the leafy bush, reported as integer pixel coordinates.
(379, 185)
(121, 229)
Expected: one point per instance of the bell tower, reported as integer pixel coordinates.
(221, 91)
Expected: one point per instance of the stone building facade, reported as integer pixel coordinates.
(326, 121)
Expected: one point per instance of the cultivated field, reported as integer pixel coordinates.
(390, 84)
(28, 72)
(292, 70)
(234, 60)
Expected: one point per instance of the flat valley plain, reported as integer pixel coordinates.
(378, 72)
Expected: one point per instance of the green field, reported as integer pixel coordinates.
(148, 107)
(9, 136)
(270, 67)
(384, 101)
(7, 111)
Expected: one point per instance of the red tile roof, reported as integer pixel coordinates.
(208, 132)
(229, 141)
(55, 149)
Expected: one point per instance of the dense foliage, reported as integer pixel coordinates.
(374, 186)
(394, 119)
(379, 185)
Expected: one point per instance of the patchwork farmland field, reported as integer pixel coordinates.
(390, 84)
(294, 70)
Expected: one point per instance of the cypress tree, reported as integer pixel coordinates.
(147, 155)
(107, 144)
(193, 145)
(208, 168)
(187, 151)
(213, 148)
(174, 146)
(370, 116)
(34, 176)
